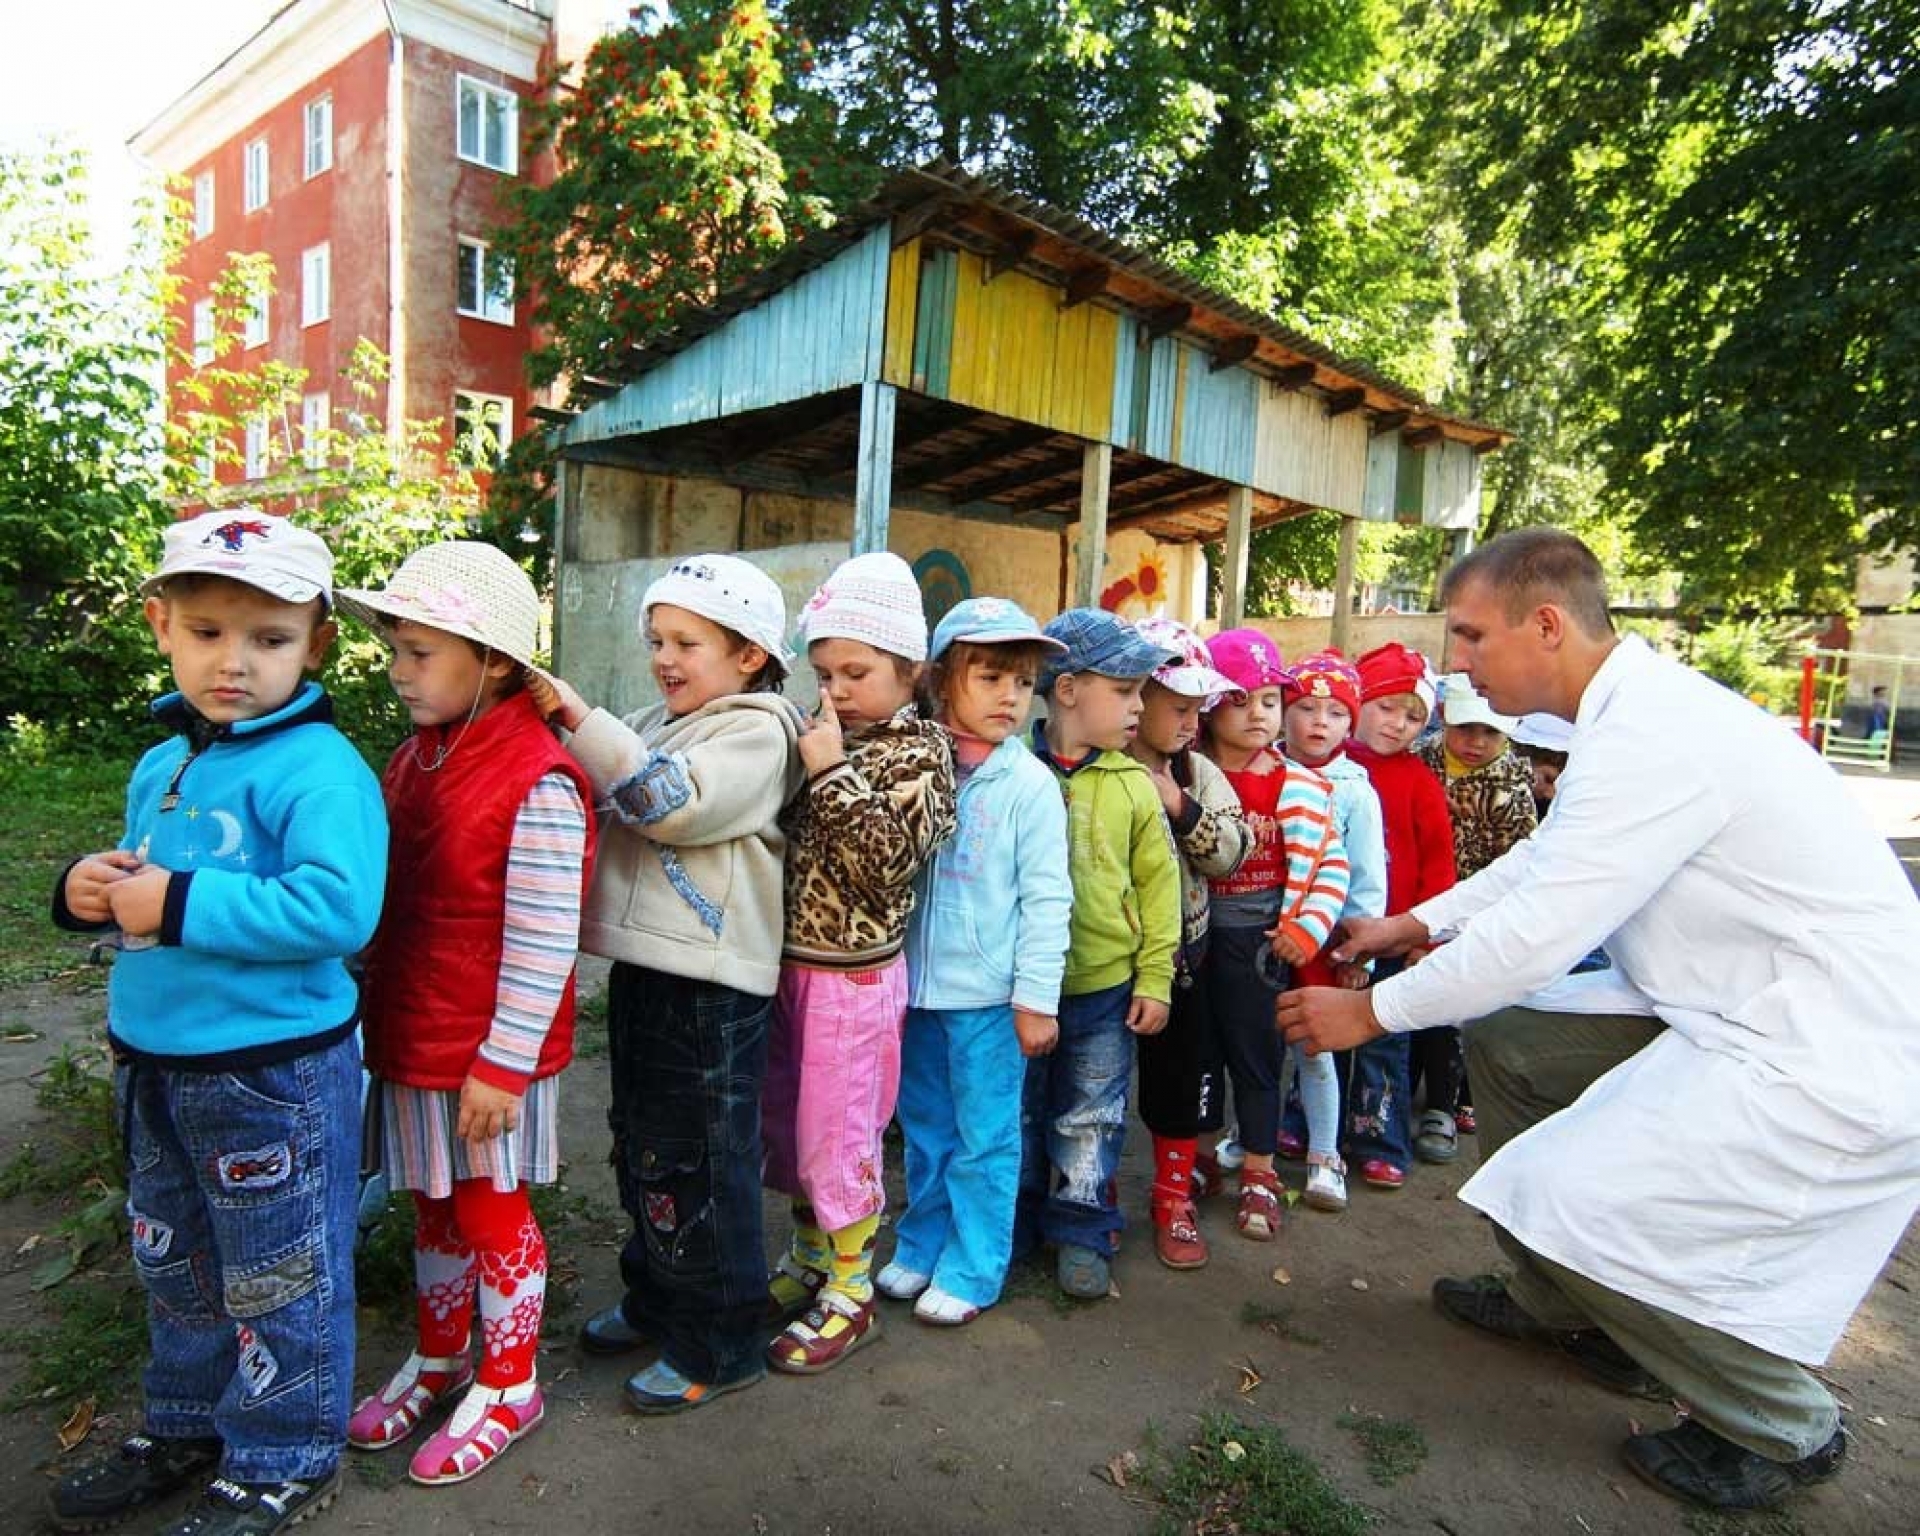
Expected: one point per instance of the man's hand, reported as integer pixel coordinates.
(486, 1111)
(138, 902)
(89, 880)
(1039, 1032)
(822, 745)
(1374, 938)
(1286, 949)
(1146, 1017)
(1326, 1019)
(556, 699)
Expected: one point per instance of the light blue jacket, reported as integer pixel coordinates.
(990, 923)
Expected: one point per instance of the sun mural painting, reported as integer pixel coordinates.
(1139, 590)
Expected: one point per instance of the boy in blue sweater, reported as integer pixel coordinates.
(253, 862)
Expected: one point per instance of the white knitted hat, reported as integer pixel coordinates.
(870, 598)
(733, 593)
(465, 588)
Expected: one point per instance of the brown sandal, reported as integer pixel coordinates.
(1259, 1215)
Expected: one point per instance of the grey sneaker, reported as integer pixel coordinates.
(1083, 1272)
(228, 1508)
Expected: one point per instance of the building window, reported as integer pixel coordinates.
(484, 283)
(319, 136)
(203, 205)
(255, 332)
(316, 285)
(203, 333)
(489, 125)
(254, 194)
(254, 462)
(316, 414)
(482, 428)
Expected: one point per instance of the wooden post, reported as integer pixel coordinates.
(1096, 476)
(1233, 559)
(1343, 584)
(873, 475)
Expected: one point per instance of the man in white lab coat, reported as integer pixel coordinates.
(1713, 1189)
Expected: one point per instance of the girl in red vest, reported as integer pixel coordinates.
(469, 993)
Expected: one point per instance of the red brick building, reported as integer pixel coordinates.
(364, 146)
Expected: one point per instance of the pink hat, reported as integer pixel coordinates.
(1247, 659)
(1190, 674)
(1324, 675)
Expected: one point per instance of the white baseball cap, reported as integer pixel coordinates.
(247, 545)
(1548, 732)
(733, 593)
(1460, 704)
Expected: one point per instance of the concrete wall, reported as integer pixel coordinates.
(1424, 632)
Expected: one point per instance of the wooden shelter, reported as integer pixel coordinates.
(953, 364)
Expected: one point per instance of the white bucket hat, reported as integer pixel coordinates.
(1460, 704)
(466, 588)
(733, 593)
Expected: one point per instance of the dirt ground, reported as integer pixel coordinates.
(1011, 1425)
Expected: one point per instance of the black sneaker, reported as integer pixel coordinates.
(1691, 1462)
(1483, 1303)
(109, 1488)
(228, 1508)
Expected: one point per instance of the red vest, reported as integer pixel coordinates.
(433, 970)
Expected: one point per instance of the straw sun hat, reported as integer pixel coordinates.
(462, 587)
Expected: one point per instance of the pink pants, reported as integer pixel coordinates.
(833, 1074)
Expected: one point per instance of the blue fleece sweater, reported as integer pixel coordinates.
(990, 925)
(277, 837)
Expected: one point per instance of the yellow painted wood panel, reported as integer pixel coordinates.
(903, 303)
(1018, 354)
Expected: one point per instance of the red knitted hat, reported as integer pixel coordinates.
(1392, 669)
(1323, 675)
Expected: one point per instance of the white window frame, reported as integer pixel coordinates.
(253, 455)
(257, 182)
(316, 283)
(203, 205)
(258, 327)
(316, 416)
(485, 305)
(502, 428)
(485, 92)
(317, 136)
(202, 333)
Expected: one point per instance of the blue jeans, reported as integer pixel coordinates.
(961, 1074)
(241, 1189)
(1379, 1102)
(1073, 1124)
(689, 1059)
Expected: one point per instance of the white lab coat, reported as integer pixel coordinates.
(1754, 1166)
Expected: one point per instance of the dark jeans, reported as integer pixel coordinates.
(1439, 1062)
(1238, 1033)
(688, 1059)
(241, 1189)
(1177, 1088)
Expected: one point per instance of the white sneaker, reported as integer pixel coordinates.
(901, 1283)
(944, 1309)
(1326, 1187)
(1229, 1154)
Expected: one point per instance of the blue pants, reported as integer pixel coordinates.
(1379, 1102)
(1073, 1125)
(241, 1190)
(689, 1059)
(961, 1075)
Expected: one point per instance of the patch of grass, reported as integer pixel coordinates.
(77, 1146)
(53, 808)
(590, 1026)
(1393, 1449)
(1766, 1522)
(92, 1346)
(1277, 1321)
(1033, 1278)
(1246, 1477)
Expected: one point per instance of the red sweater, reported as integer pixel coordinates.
(1419, 828)
(433, 971)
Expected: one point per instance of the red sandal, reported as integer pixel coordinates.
(1259, 1215)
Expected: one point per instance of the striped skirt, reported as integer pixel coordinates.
(410, 1137)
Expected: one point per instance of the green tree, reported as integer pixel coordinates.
(81, 510)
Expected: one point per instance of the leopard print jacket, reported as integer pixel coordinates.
(857, 835)
(1492, 806)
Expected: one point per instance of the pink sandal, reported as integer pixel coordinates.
(481, 1428)
(395, 1411)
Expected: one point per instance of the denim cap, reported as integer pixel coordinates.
(1248, 659)
(1097, 641)
(988, 621)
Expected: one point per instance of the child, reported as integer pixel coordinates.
(878, 800)
(1320, 699)
(1396, 701)
(1279, 906)
(1211, 838)
(985, 950)
(686, 900)
(1126, 927)
(1542, 740)
(251, 866)
(1490, 795)
(470, 993)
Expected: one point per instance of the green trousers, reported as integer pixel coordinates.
(1526, 1065)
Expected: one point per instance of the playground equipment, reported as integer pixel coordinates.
(1849, 701)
